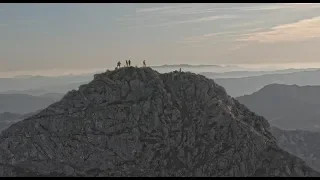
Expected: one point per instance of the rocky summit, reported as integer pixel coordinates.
(138, 122)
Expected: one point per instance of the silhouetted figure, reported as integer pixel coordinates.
(129, 62)
(119, 64)
(144, 63)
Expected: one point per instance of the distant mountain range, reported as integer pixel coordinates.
(287, 106)
(7, 118)
(247, 85)
(294, 113)
(43, 84)
(240, 74)
(186, 65)
(198, 68)
(48, 90)
(22, 103)
(39, 85)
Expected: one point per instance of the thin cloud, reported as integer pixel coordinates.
(205, 8)
(196, 39)
(203, 19)
(277, 7)
(299, 31)
(166, 15)
(210, 7)
(237, 47)
(185, 9)
(157, 14)
(153, 9)
(296, 6)
(245, 24)
(198, 20)
(157, 9)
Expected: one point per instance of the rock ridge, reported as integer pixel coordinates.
(138, 122)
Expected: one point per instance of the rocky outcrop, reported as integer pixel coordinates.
(303, 144)
(137, 122)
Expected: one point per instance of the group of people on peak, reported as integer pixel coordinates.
(128, 63)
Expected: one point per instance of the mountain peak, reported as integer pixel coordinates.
(138, 122)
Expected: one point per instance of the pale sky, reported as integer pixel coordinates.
(88, 36)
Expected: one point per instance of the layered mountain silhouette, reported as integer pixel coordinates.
(22, 103)
(242, 74)
(9, 116)
(287, 106)
(39, 85)
(7, 119)
(138, 122)
(244, 86)
(187, 66)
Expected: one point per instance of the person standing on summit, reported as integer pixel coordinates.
(129, 62)
(119, 64)
(144, 63)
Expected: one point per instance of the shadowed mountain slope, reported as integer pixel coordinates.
(138, 122)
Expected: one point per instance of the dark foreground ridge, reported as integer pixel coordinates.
(137, 122)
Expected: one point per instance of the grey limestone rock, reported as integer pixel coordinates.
(303, 144)
(137, 122)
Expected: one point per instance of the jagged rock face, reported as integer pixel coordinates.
(137, 122)
(303, 144)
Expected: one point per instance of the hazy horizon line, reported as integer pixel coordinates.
(67, 71)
